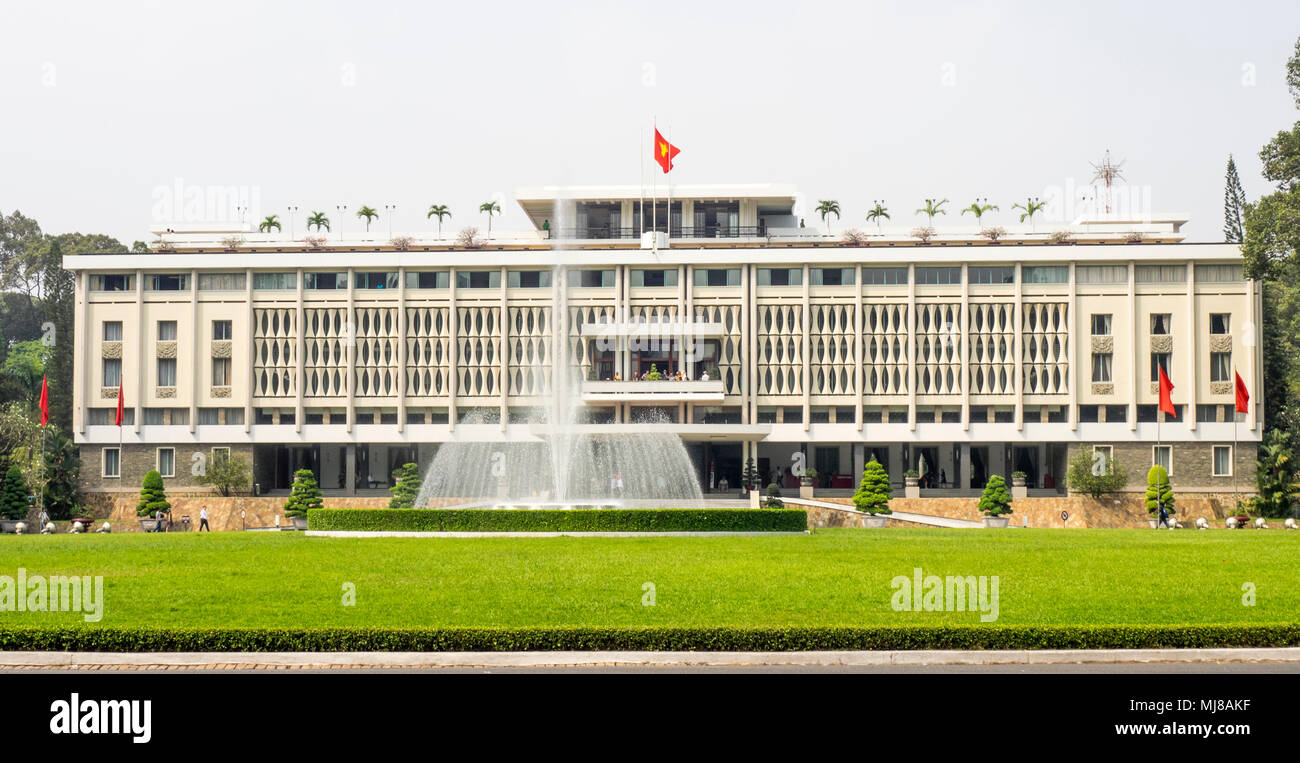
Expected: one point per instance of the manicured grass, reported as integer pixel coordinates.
(829, 578)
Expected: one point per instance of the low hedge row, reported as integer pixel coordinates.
(791, 639)
(559, 520)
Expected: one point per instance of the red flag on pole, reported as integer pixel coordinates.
(1243, 396)
(1166, 387)
(44, 399)
(119, 404)
(664, 152)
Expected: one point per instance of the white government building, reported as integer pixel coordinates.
(351, 354)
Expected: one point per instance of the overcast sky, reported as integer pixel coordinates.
(316, 103)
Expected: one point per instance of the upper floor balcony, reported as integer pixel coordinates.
(644, 391)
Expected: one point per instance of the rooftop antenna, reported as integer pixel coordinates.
(1107, 172)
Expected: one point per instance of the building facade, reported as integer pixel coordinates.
(958, 353)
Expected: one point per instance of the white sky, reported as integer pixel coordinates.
(315, 103)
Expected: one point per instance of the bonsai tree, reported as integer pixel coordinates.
(318, 220)
(440, 211)
(406, 487)
(878, 213)
(749, 476)
(1159, 492)
(153, 497)
(305, 494)
(228, 475)
(369, 214)
(996, 500)
(13, 494)
(828, 207)
(491, 208)
(653, 374)
(932, 208)
(874, 492)
(1095, 478)
(774, 497)
(272, 222)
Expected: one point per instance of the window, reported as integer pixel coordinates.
(1219, 323)
(1088, 414)
(1116, 413)
(1160, 323)
(591, 279)
(1221, 461)
(1163, 455)
(221, 282)
(108, 416)
(275, 281)
(1159, 360)
(1220, 366)
(780, 277)
(1101, 273)
(376, 280)
(717, 277)
(884, 276)
(167, 331)
(831, 276)
(209, 416)
(992, 274)
(112, 372)
(320, 281)
(792, 415)
(1047, 274)
(112, 282)
(938, 276)
(1107, 456)
(1218, 273)
(153, 415)
(235, 416)
(167, 462)
(220, 454)
(166, 372)
(437, 279)
(1101, 367)
(112, 462)
(478, 279)
(1101, 324)
(529, 279)
(221, 372)
(654, 278)
(167, 282)
(1160, 273)
(766, 415)
(221, 331)
(112, 331)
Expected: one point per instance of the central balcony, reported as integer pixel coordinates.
(665, 391)
(652, 330)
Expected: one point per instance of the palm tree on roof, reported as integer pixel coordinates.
(878, 213)
(492, 208)
(369, 214)
(440, 211)
(271, 221)
(318, 220)
(828, 207)
(932, 208)
(979, 210)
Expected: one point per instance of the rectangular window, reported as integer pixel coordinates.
(1116, 413)
(221, 372)
(780, 277)
(167, 462)
(167, 282)
(112, 331)
(1047, 274)
(1220, 367)
(108, 416)
(275, 281)
(654, 278)
(1159, 360)
(1219, 323)
(766, 415)
(319, 281)
(235, 416)
(529, 279)
(717, 277)
(992, 274)
(1088, 414)
(209, 416)
(1163, 455)
(884, 276)
(831, 276)
(1101, 367)
(382, 280)
(221, 331)
(1222, 461)
(792, 415)
(167, 331)
(1160, 273)
(1107, 456)
(166, 372)
(478, 279)
(112, 282)
(1101, 324)
(1218, 273)
(221, 282)
(1160, 323)
(112, 462)
(938, 276)
(427, 279)
(591, 279)
(153, 416)
(1101, 273)
(112, 372)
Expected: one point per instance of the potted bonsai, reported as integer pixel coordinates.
(153, 499)
(911, 484)
(749, 479)
(13, 500)
(303, 496)
(1018, 487)
(873, 494)
(995, 502)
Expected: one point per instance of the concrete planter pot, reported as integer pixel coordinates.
(806, 490)
(997, 521)
(876, 521)
(148, 525)
(911, 487)
(299, 523)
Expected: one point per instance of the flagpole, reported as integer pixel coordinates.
(654, 195)
(670, 190)
(640, 187)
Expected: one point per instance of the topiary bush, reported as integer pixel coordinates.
(406, 488)
(153, 497)
(774, 497)
(1159, 491)
(304, 495)
(996, 499)
(13, 494)
(874, 492)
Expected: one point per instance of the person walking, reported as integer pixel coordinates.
(1164, 518)
(203, 520)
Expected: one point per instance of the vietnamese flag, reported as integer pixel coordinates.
(44, 399)
(1166, 387)
(664, 152)
(119, 404)
(1243, 396)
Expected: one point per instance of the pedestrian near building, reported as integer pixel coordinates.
(203, 520)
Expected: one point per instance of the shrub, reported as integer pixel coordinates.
(228, 475)
(468, 239)
(1095, 478)
(874, 492)
(993, 234)
(912, 473)
(406, 488)
(559, 520)
(995, 501)
(774, 496)
(1159, 491)
(304, 495)
(925, 233)
(13, 494)
(1061, 237)
(854, 237)
(153, 496)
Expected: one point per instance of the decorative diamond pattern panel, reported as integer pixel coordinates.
(730, 343)
(428, 351)
(831, 347)
(325, 338)
(376, 356)
(780, 362)
(990, 342)
(479, 344)
(579, 357)
(1046, 356)
(938, 356)
(884, 349)
(274, 362)
(653, 313)
(529, 364)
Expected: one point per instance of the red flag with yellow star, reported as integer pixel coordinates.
(664, 152)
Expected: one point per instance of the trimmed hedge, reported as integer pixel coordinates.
(792, 639)
(559, 520)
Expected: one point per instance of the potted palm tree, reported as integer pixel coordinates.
(272, 222)
(995, 502)
(878, 213)
(440, 211)
(827, 207)
(369, 215)
(1031, 207)
(931, 209)
(490, 208)
(979, 211)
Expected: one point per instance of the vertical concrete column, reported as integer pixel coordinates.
(1075, 351)
(503, 331)
(250, 355)
(963, 472)
(197, 353)
(1254, 308)
(911, 347)
(963, 346)
(859, 460)
(805, 348)
(350, 354)
(1135, 321)
(1018, 349)
(300, 356)
(141, 351)
(453, 330)
(1193, 344)
(81, 341)
(858, 324)
(684, 274)
(747, 342)
(401, 350)
(350, 469)
(688, 216)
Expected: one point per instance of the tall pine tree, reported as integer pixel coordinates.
(1234, 205)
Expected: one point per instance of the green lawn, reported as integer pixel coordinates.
(830, 578)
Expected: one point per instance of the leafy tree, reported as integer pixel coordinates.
(1091, 477)
(59, 312)
(979, 210)
(25, 365)
(874, 492)
(491, 208)
(13, 494)
(996, 499)
(139, 247)
(271, 222)
(1275, 475)
(369, 214)
(305, 494)
(318, 220)
(1159, 491)
(827, 207)
(229, 475)
(153, 496)
(406, 488)
(932, 208)
(1234, 205)
(878, 213)
(62, 493)
(440, 211)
